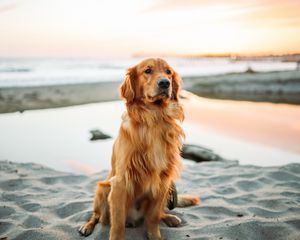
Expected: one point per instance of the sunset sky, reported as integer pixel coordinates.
(122, 28)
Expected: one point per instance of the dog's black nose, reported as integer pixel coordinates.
(163, 83)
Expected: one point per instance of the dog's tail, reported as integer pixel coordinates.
(187, 200)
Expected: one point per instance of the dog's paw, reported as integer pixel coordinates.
(172, 220)
(86, 229)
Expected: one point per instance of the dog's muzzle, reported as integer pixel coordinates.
(163, 84)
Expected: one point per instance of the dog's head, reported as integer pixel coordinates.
(152, 81)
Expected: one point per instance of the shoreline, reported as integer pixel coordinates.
(19, 99)
(260, 133)
(60, 137)
(277, 87)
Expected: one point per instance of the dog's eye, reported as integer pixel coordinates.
(168, 71)
(148, 71)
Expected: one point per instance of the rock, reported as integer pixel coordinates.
(199, 154)
(249, 70)
(98, 135)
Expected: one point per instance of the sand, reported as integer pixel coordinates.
(277, 86)
(23, 98)
(238, 202)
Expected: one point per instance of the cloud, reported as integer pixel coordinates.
(265, 12)
(170, 5)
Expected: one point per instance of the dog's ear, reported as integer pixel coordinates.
(176, 81)
(128, 87)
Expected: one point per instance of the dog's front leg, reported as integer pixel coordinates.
(117, 202)
(154, 215)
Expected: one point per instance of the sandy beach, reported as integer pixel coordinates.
(254, 197)
(233, 65)
(238, 202)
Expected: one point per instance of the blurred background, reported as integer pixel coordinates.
(239, 62)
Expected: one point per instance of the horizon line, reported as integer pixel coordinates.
(138, 55)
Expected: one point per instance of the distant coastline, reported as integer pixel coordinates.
(276, 87)
(285, 57)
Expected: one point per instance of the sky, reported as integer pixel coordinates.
(92, 28)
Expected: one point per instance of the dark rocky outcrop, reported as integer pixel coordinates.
(98, 135)
(199, 154)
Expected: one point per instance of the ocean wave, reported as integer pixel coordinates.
(37, 72)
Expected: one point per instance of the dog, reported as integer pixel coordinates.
(146, 155)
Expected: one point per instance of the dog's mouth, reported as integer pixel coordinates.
(163, 94)
(160, 97)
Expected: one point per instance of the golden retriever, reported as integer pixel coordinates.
(146, 154)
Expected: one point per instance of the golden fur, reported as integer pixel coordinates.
(146, 154)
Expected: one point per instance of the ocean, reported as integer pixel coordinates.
(18, 72)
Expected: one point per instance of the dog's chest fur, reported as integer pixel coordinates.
(151, 142)
(154, 147)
